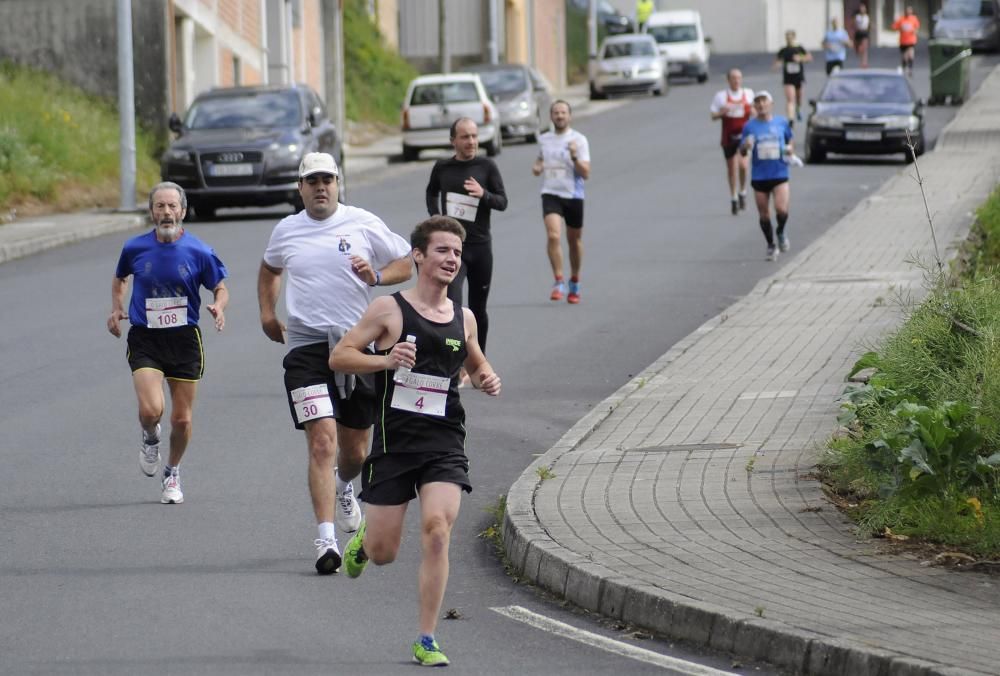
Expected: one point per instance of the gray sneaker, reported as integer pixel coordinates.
(149, 455)
(772, 253)
(783, 243)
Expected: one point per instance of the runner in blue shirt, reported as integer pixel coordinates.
(768, 138)
(167, 266)
(835, 44)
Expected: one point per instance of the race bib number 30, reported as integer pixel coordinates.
(421, 393)
(462, 207)
(166, 313)
(312, 402)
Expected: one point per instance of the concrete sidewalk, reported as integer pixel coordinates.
(685, 503)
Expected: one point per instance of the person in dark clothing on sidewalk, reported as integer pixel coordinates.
(467, 188)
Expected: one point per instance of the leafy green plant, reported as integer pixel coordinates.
(545, 473)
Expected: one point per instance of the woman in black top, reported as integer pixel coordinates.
(467, 188)
(790, 59)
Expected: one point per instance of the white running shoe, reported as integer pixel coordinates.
(783, 243)
(327, 556)
(347, 513)
(172, 490)
(149, 456)
(772, 253)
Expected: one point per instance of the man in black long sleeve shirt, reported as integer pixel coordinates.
(467, 188)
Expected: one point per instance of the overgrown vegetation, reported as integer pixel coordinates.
(577, 40)
(375, 77)
(59, 145)
(921, 454)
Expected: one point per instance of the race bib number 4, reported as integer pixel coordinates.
(421, 393)
(166, 313)
(768, 150)
(462, 207)
(312, 402)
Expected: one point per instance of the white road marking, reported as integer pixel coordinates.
(608, 644)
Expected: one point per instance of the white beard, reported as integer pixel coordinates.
(168, 232)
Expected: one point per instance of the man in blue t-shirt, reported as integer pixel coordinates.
(835, 44)
(768, 139)
(167, 266)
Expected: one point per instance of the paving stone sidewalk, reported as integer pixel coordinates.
(653, 518)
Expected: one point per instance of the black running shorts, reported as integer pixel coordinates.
(767, 185)
(176, 352)
(309, 366)
(570, 209)
(395, 478)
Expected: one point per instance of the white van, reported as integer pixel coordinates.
(681, 41)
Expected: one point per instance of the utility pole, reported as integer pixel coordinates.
(494, 33)
(592, 30)
(126, 107)
(333, 29)
(443, 52)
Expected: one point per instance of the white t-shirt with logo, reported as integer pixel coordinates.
(559, 177)
(322, 291)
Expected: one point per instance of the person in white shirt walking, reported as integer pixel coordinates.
(333, 254)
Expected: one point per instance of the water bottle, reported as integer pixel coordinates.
(404, 371)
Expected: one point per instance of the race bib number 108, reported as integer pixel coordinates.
(166, 313)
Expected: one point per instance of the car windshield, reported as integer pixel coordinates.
(967, 9)
(866, 89)
(629, 48)
(505, 81)
(446, 92)
(678, 33)
(267, 109)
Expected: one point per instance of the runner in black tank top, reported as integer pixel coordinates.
(441, 351)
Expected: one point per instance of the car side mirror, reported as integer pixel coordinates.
(175, 124)
(313, 118)
(812, 102)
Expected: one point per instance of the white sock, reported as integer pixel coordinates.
(326, 531)
(341, 484)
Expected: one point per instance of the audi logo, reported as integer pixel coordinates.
(231, 157)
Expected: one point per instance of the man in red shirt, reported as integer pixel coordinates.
(734, 107)
(907, 25)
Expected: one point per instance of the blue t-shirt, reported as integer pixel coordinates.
(167, 270)
(836, 44)
(771, 138)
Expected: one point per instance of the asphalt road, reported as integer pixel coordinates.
(97, 577)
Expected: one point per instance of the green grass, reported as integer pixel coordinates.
(375, 77)
(936, 480)
(59, 145)
(577, 39)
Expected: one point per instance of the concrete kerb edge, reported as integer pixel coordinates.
(33, 245)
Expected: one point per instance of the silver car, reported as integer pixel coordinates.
(627, 64)
(522, 96)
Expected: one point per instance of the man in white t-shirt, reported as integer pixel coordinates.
(734, 106)
(564, 158)
(333, 254)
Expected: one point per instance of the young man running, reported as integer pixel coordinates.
(419, 444)
(769, 138)
(564, 157)
(792, 59)
(167, 267)
(734, 107)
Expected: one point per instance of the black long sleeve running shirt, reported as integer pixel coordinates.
(449, 176)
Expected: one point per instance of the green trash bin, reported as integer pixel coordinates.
(949, 70)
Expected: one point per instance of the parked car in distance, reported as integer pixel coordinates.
(977, 21)
(522, 96)
(865, 111)
(433, 102)
(627, 64)
(241, 146)
(610, 19)
(682, 42)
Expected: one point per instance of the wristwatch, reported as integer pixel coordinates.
(378, 278)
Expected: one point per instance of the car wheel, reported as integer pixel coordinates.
(596, 95)
(410, 153)
(920, 145)
(204, 212)
(703, 78)
(494, 147)
(532, 137)
(659, 90)
(814, 155)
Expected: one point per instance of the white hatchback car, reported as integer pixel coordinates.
(433, 102)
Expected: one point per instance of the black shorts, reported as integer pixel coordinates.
(730, 149)
(570, 209)
(396, 478)
(767, 185)
(308, 366)
(859, 36)
(830, 65)
(176, 352)
(903, 48)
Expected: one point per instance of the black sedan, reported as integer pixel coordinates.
(865, 112)
(241, 146)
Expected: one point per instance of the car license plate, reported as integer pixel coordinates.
(863, 135)
(241, 169)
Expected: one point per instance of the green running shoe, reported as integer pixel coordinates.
(428, 654)
(354, 556)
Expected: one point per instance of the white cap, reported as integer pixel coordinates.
(318, 163)
(763, 94)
